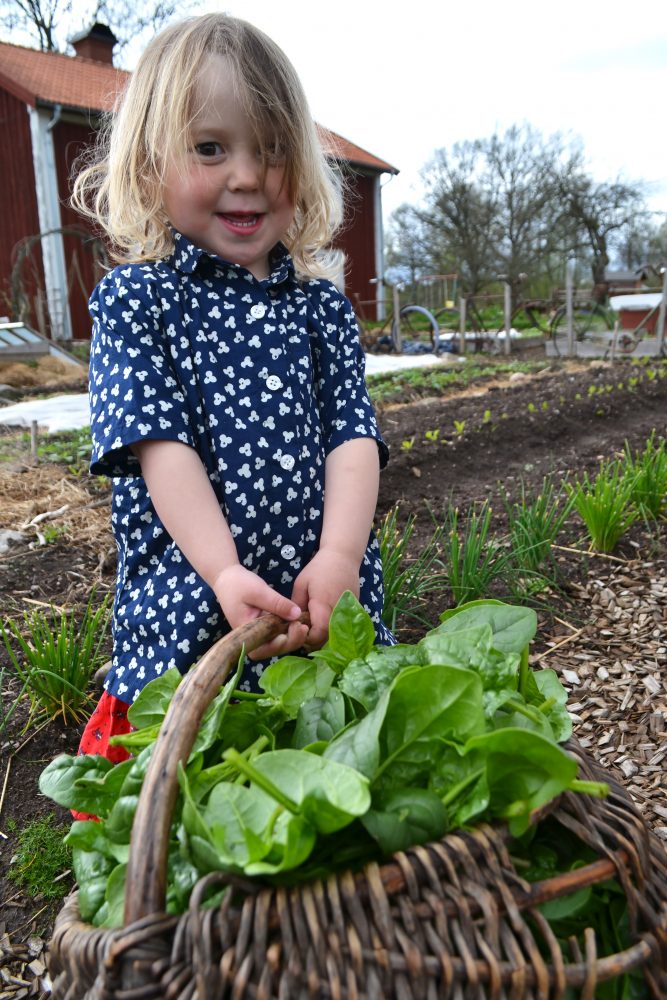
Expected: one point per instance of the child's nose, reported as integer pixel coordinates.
(245, 171)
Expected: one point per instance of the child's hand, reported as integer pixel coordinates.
(318, 587)
(243, 596)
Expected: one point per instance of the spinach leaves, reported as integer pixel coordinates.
(351, 753)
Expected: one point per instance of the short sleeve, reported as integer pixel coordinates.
(345, 406)
(134, 392)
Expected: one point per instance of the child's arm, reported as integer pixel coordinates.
(186, 504)
(352, 476)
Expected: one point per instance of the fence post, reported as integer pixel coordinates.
(398, 339)
(569, 306)
(463, 305)
(660, 328)
(508, 316)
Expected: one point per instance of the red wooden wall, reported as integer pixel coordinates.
(357, 241)
(18, 202)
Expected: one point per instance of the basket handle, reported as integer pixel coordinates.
(146, 878)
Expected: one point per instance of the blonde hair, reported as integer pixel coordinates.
(122, 185)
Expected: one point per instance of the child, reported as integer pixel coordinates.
(227, 381)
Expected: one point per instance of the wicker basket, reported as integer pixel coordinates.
(452, 919)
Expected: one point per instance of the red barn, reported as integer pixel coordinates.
(50, 106)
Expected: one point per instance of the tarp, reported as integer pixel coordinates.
(635, 303)
(70, 412)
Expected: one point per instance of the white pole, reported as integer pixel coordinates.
(660, 328)
(508, 316)
(463, 305)
(398, 340)
(569, 306)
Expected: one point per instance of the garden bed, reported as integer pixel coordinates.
(454, 445)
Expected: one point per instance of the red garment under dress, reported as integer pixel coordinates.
(109, 719)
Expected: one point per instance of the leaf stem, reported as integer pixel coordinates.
(252, 774)
(598, 789)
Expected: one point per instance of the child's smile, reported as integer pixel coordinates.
(224, 197)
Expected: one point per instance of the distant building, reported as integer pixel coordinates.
(621, 281)
(50, 105)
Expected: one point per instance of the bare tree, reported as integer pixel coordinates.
(50, 23)
(519, 177)
(600, 214)
(457, 215)
(33, 20)
(517, 204)
(407, 256)
(643, 242)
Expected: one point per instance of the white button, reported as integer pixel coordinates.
(273, 383)
(287, 462)
(288, 552)
(258, 310)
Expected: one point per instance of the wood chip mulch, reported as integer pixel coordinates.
(22, 967)
(615, 670)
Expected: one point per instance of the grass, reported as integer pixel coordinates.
(55, 658)
(534, 524)
(647, 471)
(408, 579)
(473, 559)
(605, 504)
(41, 858)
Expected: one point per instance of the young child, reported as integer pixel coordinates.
(227, 387)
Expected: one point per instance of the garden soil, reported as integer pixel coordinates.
(491, 440)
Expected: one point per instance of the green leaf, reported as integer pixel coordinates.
(428, 705)
(59, 779)
(330, 795)
(472, 648)
(295, 837)
(366, 679)
(118, 826)
(566, 906)
(550, 688)
(91, 870)
(150, 707)
(293, 680)
(239, 820)
(246, 722)
(114, 898)
(405, 817)
(524, 771)
(358, 746)
(213, 720)
(87, 835)
(513, 627)
(351, 633)
(319, 719)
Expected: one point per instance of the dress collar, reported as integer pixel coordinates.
(187, 258)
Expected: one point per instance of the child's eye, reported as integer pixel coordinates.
(208, 149)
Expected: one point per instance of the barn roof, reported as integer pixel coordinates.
(85, 85)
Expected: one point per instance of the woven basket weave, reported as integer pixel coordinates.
(451, 919)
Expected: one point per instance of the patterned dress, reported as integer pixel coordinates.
(263, 379)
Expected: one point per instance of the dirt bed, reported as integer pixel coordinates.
(604, 631)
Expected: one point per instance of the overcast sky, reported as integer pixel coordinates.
(405, 77)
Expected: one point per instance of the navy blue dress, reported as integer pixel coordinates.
(263, 379)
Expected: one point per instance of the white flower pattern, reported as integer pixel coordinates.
(263, 379)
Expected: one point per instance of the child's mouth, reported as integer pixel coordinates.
(241, 222)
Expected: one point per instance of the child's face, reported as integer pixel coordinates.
(219, 198)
